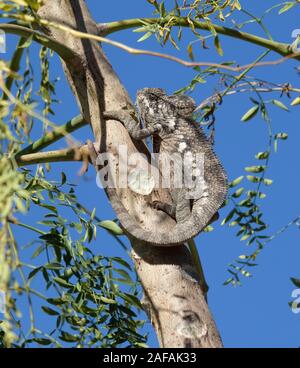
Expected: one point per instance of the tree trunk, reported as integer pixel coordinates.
(173, 300)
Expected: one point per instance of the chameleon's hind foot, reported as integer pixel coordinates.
(165, 207)
(214, 218)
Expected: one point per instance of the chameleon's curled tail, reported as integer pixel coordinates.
(203, 211)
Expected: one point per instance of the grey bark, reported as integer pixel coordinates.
(173, 297)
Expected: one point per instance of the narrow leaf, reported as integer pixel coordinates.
(236, 181)
(296, 101)
(250, 113)
(218, 46)
(111, 226)
(145, 37)
(280, 105)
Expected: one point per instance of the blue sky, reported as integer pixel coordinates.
(257, 313)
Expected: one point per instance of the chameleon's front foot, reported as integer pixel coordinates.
(93, 154)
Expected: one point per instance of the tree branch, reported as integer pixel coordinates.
(62, 155)
(182, 317)
(279, 47)
(51, 137)
(61, 49)
(56, 134)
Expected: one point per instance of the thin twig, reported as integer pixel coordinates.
(280, 48)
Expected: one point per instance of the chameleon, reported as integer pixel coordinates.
(168, 119)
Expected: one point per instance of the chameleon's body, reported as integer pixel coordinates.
(168, 118)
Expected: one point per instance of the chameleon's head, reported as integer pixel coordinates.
(155, 105)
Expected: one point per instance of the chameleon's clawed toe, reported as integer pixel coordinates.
(158, 205)
(165, 207)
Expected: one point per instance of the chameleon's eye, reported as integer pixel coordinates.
(185, 105)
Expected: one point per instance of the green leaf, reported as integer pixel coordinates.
(245, 203)
(218, 45)
(252, 193)
(42, 341)
(123, 281)
(267, 181)
(296, 282)
(262, 155)
(198, 79)
(123, 273)
(93, 214)
(190, 51)
(245, 237)
(154, 2)
(111, 226)
(238, 193)
(208, 229)
(49, 207)
(162, 9)
(296, 101)
(47, 223)
(250, 113)
(141, 345)
(131, 299)
(287, 7)
(38, 251)
(65, 336)
(55, 301)
(173, 42)
(78, 226)
(62, 282)
(145, 36)
(107, 300)
(246, 273)
(63, 178)
(53, 266)
(253, 179)
(236, 181)
(280, 105)
(26, 43)
(255, 169)
(228, 217)
(283, 136)
(50, 311)
(236, 5)
(34, 272)
(122, 262)
(228, 281)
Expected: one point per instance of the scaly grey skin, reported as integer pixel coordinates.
(169, 119)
